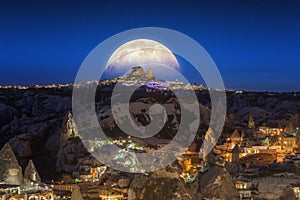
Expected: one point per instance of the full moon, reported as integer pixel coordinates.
(141, 52)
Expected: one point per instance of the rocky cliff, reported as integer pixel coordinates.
(288, 193)
(216, 183)
(31, 119)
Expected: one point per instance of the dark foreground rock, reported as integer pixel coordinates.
(217, 183)
(10, 170)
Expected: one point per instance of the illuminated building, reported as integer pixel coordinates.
(289, 143)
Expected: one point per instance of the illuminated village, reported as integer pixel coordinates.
(247, 156)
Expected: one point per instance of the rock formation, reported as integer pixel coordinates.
(7, 113)
(235, 154)
(243, 135)
(235, 137)
(217, 183)
(31, 118)
(10, 170)
(22, 145)
(288, 194)
(70, 147)
(162, 184)
(136, 72)
(251, 123)
(69, 128)
(69, 155)
(31, 174)
(156, 186)
(149, 74)
(76, 194)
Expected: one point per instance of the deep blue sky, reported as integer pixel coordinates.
(255, 44)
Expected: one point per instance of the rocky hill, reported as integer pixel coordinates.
(216, 183)
(31, 119)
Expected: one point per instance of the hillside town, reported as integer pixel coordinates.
(248, 155)
(254, 158)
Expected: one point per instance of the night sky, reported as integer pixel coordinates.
(255, 44)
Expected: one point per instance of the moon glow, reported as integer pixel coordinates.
(140, 52)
